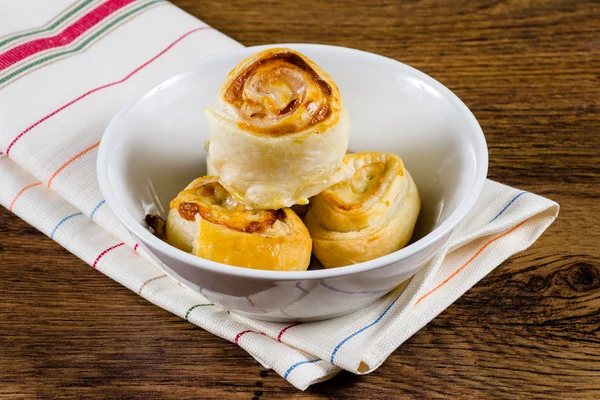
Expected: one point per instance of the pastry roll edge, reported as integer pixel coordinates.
(259, 239)
(293, 155)
(370, 233)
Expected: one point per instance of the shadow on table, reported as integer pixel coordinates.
(339, 383)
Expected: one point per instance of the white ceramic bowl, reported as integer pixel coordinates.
(155, 146)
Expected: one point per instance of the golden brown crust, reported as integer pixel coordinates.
(279, 91)
(288, 252)
(206, 197)
(206, 220)
(366, 196)
(234, 93)
(369, 215)
(374, 174)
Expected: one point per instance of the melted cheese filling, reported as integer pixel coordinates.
(210, 201)
(365, 183)
(279, 94)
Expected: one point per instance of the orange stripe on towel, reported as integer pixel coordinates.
(469, 261)
(12, 203)
(65, 165)
(150, 280)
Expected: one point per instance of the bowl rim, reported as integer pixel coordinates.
(465, 205)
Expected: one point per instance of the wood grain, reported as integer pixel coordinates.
(529, 71)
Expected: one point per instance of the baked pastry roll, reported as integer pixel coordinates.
(368, 215)
(207, 221)
(278, 132)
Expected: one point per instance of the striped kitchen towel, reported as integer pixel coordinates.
(65, 69)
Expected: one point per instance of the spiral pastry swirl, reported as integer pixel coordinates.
(368, 215)
(207, 221)
(278, 132)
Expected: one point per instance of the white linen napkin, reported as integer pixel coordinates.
(67, 67)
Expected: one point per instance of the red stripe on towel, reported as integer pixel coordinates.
(242, 333)
(68, 35)
(281, 332)
(135, 71)
(106, 251)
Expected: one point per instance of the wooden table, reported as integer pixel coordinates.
(529, 70)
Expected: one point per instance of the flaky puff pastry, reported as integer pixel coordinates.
(207, 221)
(368, 215)
(279, 130)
